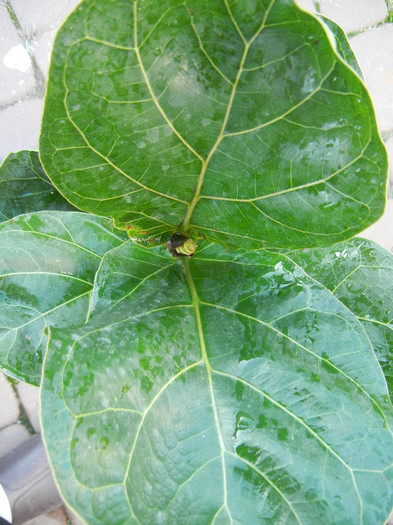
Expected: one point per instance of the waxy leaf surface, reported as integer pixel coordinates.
(342, 45)
(234, 119)
(231, 388)
(360, 274)
(25, 187)
(48, 262)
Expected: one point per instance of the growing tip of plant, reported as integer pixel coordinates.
(181, 245)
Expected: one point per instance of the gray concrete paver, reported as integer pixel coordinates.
(389, 148)
(9, 412)
(354, 15)
(20, 126)
(374, 51)
(74, 519)
(39, 16)
(42, 47)
(307, 5)
(16, 72)
(29, 396)
(56, 517)
(12, 435)
(382, 231)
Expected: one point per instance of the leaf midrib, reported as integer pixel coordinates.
(196, 302)
(205, 163)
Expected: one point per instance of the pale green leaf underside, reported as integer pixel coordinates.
(48, 262)
(25, 187)
(360, 274)
(231, 388)
(233, 119)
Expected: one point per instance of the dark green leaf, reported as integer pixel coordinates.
(360, 274)
(231, 388)
(235, 119)
(25, 187)
(48, 262)
(342, 45)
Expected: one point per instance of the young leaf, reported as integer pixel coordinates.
(234, 119)
(231, 388)
(25, 187)
(360, 274)
(48, 262)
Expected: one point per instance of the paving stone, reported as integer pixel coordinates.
(56, 517)
(12, 436)
(373, 49)
(29, 396)
(42, 47)
(9, 412)
(389, 147)
(20, 126)
(307, 5)
(42, 15)
(382, 231)
(74, 519)
(16, 72)
(353, 15)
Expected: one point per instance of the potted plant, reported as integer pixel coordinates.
(243, 374)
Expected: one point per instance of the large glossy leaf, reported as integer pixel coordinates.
(232, 118)
(48, 262)
(360, 274)
(231, 388)
(25, 187)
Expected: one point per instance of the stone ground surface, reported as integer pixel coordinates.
(27, 29)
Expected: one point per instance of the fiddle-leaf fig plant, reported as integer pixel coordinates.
(211, 344)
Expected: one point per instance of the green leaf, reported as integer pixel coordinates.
(360, 274)
(48, 262)
(25, 187)
(231, 388)
(343, 47)
(232, 119)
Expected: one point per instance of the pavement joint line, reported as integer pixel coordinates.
(387, 20)
(386, 135)
(23, 417)
(8, 425)
(68, 519)
(29, 96)
(13, 16)
(39, 78)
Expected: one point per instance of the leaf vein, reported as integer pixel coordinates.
(149, 87)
